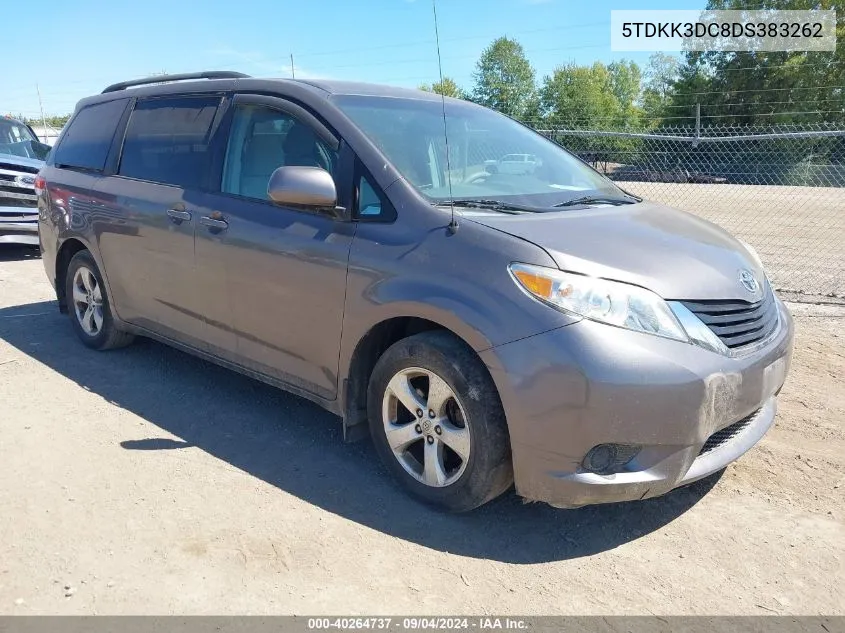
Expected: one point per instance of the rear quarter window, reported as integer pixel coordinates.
(167, 141)
(86, 142)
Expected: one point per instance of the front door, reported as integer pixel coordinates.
(273, 278)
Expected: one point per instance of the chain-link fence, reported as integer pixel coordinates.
(781, 189)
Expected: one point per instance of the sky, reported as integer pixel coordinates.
(75, 49)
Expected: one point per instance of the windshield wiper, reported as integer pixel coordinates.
(493, 205)
(595, 200)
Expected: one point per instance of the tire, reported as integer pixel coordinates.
(94, 327)
(469, 417)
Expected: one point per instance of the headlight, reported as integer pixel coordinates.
(610, 302)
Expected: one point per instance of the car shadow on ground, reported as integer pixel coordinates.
(296, 446)
(15, 252)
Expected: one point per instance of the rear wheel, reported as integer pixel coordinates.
(437, 422)
(89, 307)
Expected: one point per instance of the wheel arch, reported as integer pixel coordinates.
(369, 348)
(68, 248)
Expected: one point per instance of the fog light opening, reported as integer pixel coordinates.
(607, 459)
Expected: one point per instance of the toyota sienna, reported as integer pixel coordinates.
(349, 243)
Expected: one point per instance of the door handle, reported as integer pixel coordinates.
(178, 215)
(215, 225)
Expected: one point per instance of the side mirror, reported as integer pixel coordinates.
(303, 187)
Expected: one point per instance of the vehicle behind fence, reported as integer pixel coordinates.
(781, 189)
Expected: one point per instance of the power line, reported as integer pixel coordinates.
(461, 38)
(721, 92)
(379, 64)
(797, 66)
(755, 104)
(621, 119)
(358, 49)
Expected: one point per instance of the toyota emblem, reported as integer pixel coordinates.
(748, 281)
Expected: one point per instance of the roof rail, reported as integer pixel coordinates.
(208, 74)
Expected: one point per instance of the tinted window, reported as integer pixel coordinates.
(260, 141)
(167, 141)
(87, 140)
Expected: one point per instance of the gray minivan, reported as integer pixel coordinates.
(544, 328)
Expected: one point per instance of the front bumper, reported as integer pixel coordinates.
(571, 389)
(18, 225)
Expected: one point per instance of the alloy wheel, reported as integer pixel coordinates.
(426, 427)
(87, 301)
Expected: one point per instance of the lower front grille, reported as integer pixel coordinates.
(738, 323)
(726, 434)
(13, 218)
(22, 203)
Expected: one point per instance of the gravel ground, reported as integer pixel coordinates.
(146, 481)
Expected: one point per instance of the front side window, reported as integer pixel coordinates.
(14, 132)
(167, 141)
(490, 155)
(263, 139)
(86, 142)
(17, 140)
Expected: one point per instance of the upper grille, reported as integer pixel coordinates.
(13, 193)
(729, 432)
(738, 323)
(26, 169)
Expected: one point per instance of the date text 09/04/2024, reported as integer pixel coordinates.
(417, 623)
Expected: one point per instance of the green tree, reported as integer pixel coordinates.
(580, 97)
(766, 88)
(625, 80)
(504, 79)
(57, 122)
(660, 76)
(447, 87)
(695, 82)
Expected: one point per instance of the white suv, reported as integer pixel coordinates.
(514, 164)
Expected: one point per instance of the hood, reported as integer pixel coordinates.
(673, 253)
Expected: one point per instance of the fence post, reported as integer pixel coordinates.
(697, 125)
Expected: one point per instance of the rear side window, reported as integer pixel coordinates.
(167, 141)
(86, 142)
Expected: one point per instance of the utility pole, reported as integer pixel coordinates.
(41, 107)
(292, 69)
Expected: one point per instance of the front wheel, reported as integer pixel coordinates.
(437, 422)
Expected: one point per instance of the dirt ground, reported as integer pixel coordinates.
(146, 481)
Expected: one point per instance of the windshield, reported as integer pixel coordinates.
(17, 140)
(491, 156)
